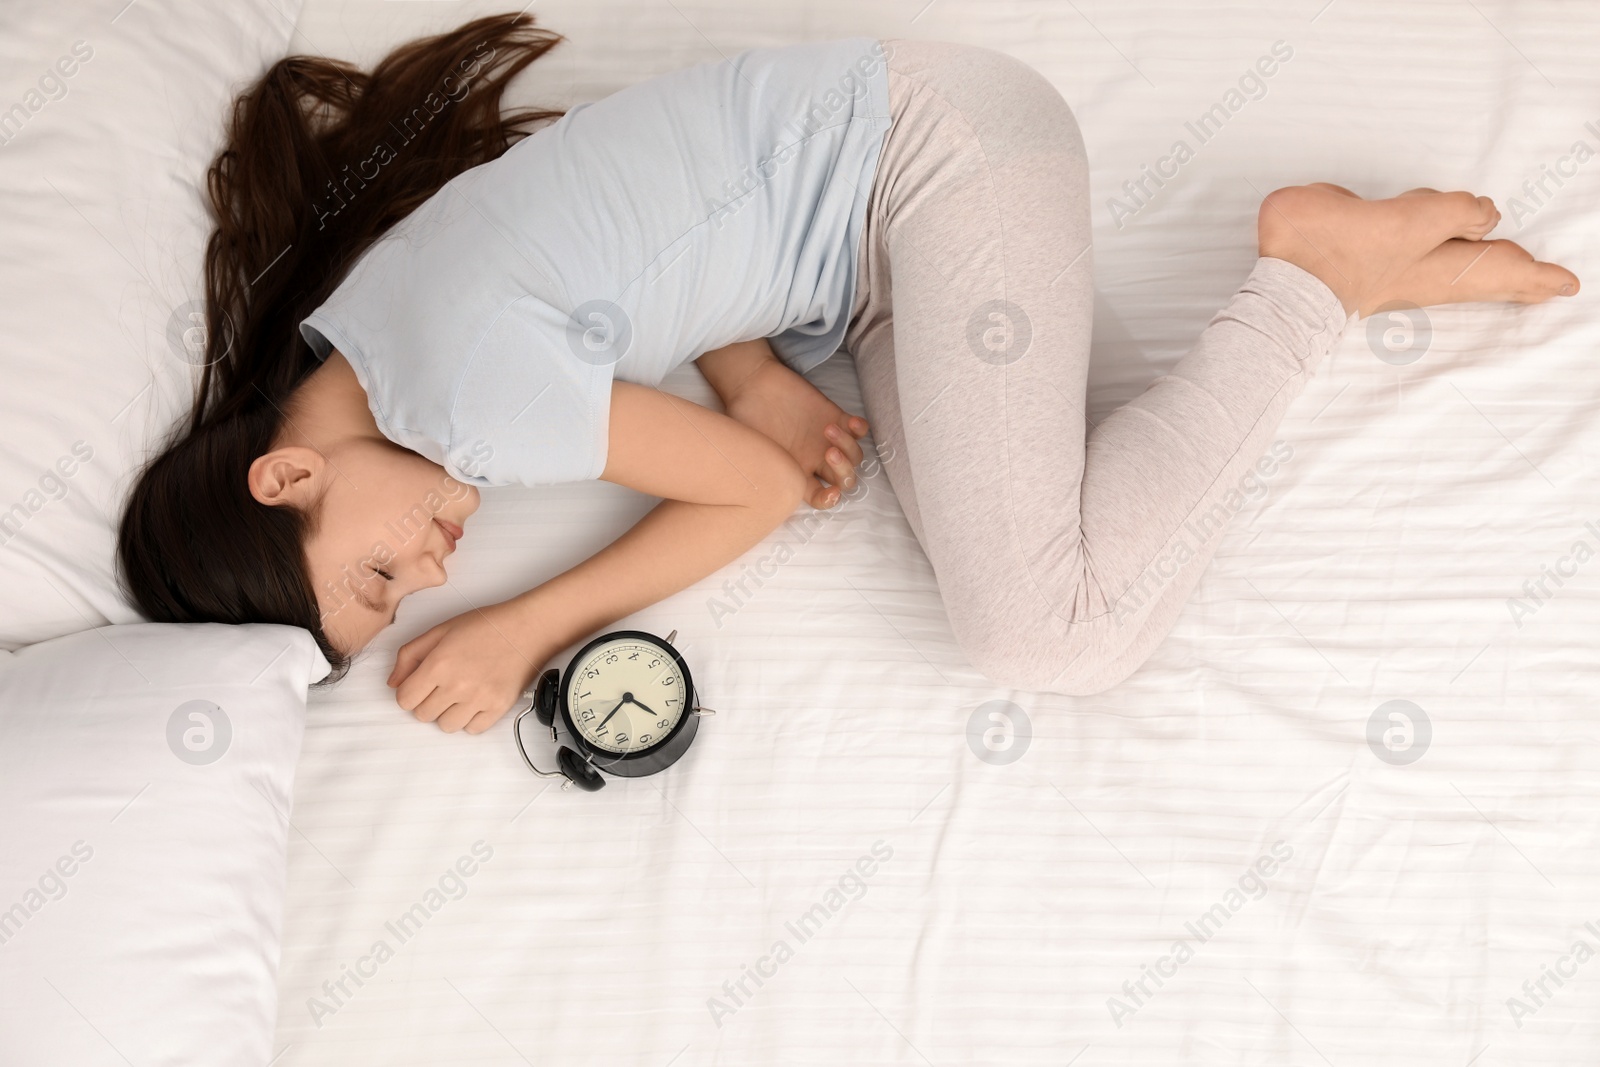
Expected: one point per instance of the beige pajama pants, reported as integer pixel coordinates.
(1063, 558)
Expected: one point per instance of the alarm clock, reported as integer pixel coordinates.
(626, 703)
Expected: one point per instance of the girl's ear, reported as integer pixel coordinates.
(286, 475)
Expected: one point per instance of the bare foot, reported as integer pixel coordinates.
(1359, 248)
(1460, 271)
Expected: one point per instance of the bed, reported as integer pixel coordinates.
(1347, 812)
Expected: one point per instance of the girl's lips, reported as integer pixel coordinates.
(451, 530)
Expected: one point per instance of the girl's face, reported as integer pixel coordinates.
(388, 519)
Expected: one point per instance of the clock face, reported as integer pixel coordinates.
(626, 696)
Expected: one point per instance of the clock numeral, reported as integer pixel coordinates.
(674, 700)
(600, 731)
(644, 739)
(620, 738)
(634, 656)
(612, 658)
(669, 680)
(591, 673)
(653, 663)
(661, 724)
(583, 694)
(586, 715)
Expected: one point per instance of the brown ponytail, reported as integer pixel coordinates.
(321, 159)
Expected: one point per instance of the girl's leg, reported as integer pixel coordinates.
(1063, 560)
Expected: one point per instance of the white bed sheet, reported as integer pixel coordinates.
(1416, 900)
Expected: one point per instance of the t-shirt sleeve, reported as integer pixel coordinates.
(533, 407)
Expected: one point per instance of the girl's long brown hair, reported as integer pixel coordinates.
(320, 159)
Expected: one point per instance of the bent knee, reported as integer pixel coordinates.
(991, 66)
(1020, 106)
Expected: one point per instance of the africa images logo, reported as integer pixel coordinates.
(1399, 732)
(199, 732)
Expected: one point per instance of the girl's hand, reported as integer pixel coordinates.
(819, 434)
(467, 672)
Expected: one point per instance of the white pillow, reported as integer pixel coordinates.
(108, 119)
(143, 849)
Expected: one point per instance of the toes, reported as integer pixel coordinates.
(1536, 280)
(1464, 215)
(1556, 280)
(1462, 271)
(1489, 218)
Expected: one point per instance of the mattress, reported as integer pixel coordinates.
(1347, 812)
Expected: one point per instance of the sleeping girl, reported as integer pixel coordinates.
(413, 294)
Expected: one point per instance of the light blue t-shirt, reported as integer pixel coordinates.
(718, 203)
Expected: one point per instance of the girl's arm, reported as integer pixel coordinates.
(726, 486)
(760, 390)
(730, 367)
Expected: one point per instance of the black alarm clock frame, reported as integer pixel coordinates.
(581, 761)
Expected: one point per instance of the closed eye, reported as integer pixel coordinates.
(374, 605)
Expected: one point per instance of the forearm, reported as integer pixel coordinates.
(729, 367)
(675, 545)
(723, 487)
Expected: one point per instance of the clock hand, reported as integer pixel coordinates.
(614, 710)
(643, 705)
